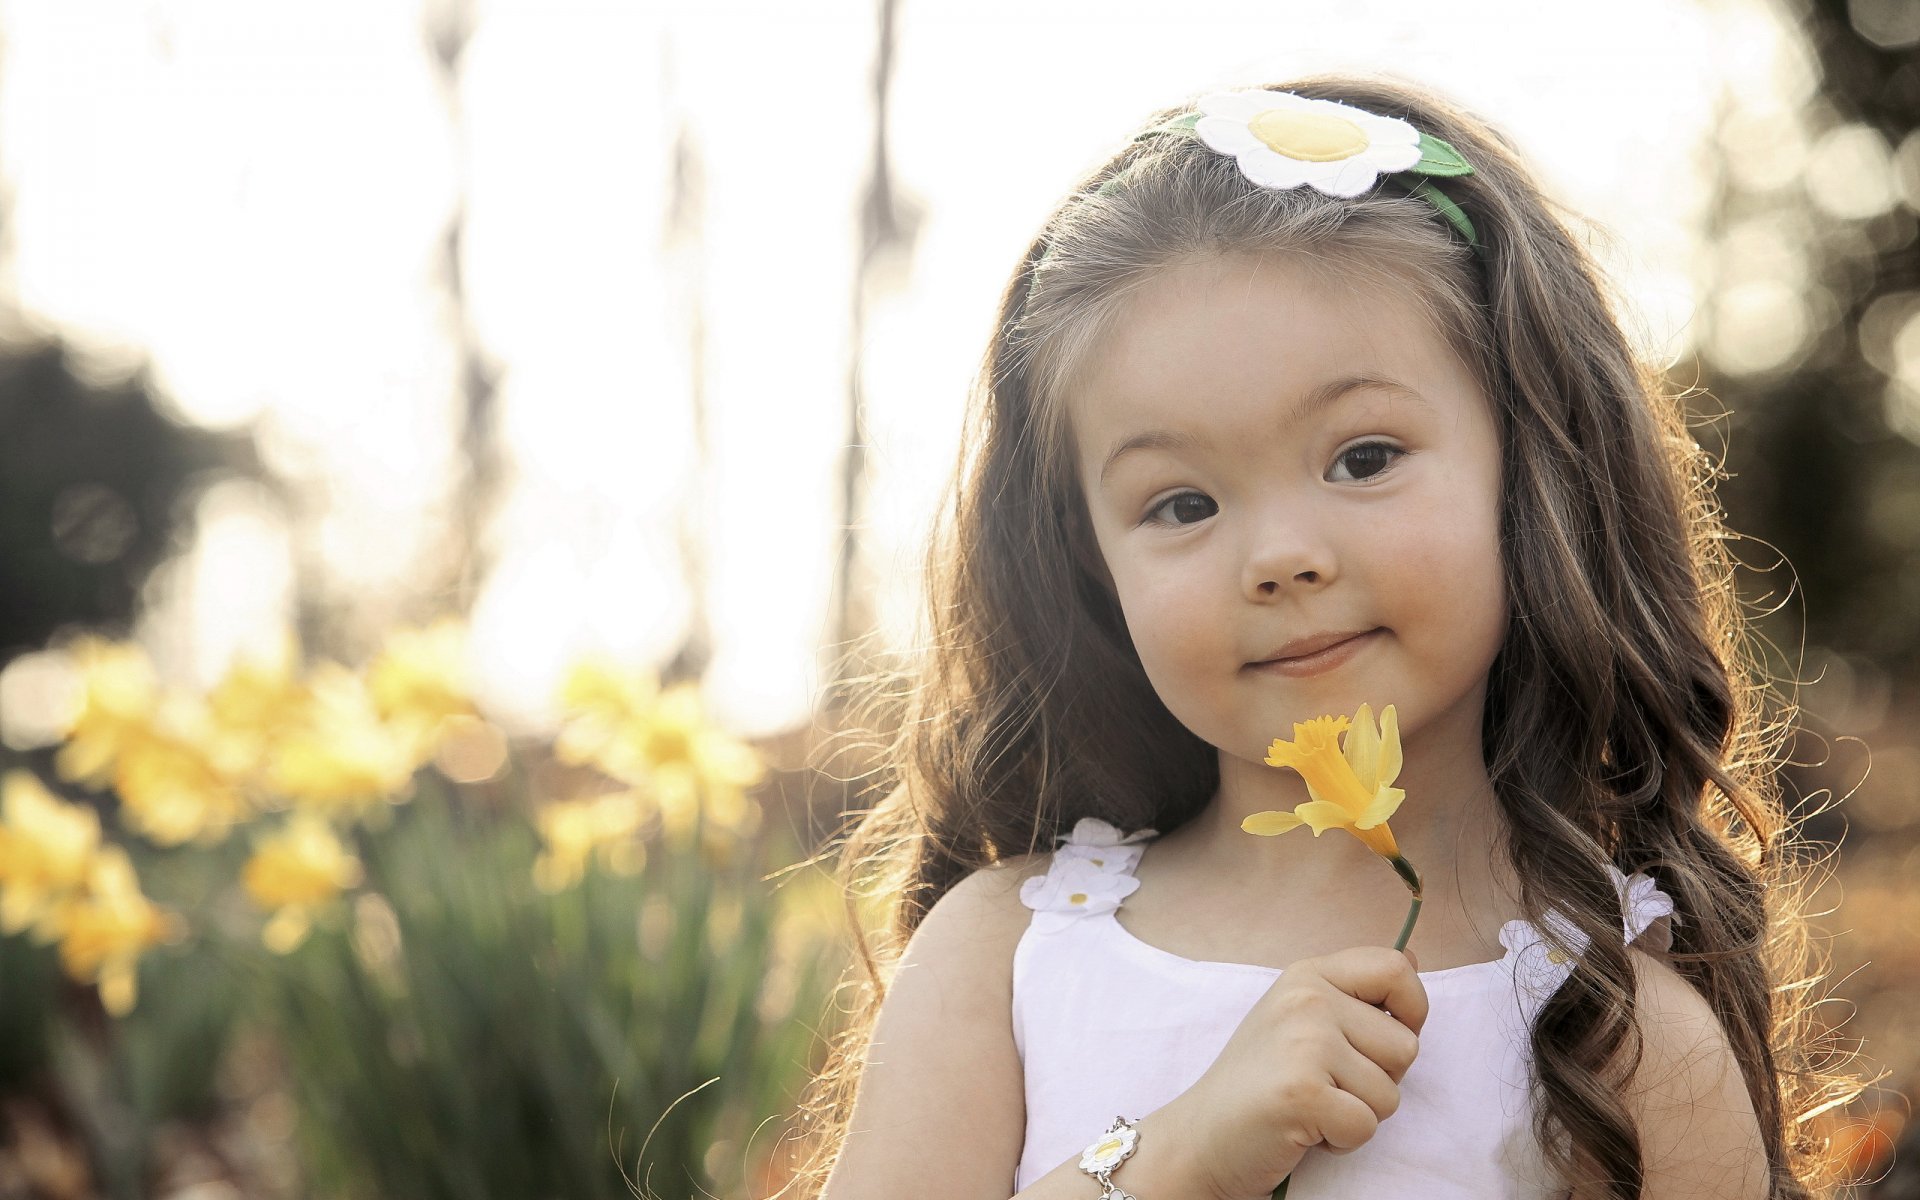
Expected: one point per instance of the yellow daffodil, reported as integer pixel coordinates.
(47, 848)
(166, 757)
(294, 872)
(419, 680)
(119, 693)
(662, 741)
(576, 831)
(601, 703)
(342, 760)
(107, 930)
(257, 700)
(1351, 786)
(175, 790)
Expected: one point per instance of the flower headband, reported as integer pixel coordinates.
(1282, 140)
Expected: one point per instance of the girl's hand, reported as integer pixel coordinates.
(1319, 1059)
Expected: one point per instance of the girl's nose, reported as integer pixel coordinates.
(1287, 557)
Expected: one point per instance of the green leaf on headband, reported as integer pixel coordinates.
(1448, 209)
(1438, 158)
(1173, 125)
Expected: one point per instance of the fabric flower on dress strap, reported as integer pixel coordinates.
(1541, 968)
(1092, 831)
(1099, 844)
(1074, 888)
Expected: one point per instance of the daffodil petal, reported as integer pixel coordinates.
(118, 988)
(1271, 824)
(1389, 746)
(1362, 748)
(1323, 815)
(286, 929)
(1386, 802)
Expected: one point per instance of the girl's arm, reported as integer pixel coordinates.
(941, 1112)
(1699, 1138)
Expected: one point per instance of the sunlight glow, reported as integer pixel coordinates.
(259, 196)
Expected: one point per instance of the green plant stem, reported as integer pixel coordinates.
(1411, 878)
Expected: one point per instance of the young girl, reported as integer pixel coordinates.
(1305, 400)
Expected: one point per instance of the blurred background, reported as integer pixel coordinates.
(451, 452)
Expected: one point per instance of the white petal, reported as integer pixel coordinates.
(1227, 135)
(1092, 831)
(1387, 131)
(1391, 157)
(1106, 858)
(1272, 170)
(1355, 175)
(1100, 890)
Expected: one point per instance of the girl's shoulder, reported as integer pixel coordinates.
(1687, 1092)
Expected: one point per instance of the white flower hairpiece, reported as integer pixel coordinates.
(1284, 140)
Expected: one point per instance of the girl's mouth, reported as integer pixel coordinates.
(1325, 659)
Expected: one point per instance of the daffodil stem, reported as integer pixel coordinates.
(1406, 931)
(1411, 878)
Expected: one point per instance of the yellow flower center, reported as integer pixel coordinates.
(1077, 898)
(1308, 136)
(1108, 1146)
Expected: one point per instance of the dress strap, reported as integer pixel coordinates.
(1647, 915)
(1091, 873)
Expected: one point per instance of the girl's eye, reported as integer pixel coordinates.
(1369, 458)
(1184, 502)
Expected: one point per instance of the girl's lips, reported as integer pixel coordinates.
(1319, 660)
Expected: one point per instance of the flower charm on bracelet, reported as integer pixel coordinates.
(1112, 1148)
(1110, 1151)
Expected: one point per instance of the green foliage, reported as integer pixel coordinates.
(28, 976)
(463, 1035)
(122, 1079)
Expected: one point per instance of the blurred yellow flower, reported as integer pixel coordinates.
(420, 679)
(178, 772)
(108, 928)
(256, 700)
(1351, 789)
(295, 871)
(575, 830)
(601, 704)
(47, 848)
(341, 760)
(119, 693)
(662, 741)
(175, 791)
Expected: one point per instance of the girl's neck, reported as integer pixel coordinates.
(1449, 827)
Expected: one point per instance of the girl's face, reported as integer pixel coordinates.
(1266, 459)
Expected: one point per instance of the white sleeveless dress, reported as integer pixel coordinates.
(1106, 1023)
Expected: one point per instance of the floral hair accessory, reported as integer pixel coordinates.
(1283, 140)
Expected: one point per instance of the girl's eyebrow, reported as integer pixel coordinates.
(1309, 405)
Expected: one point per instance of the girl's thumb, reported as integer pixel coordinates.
(1412, 958)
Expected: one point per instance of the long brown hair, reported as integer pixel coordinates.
(1628, 719)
